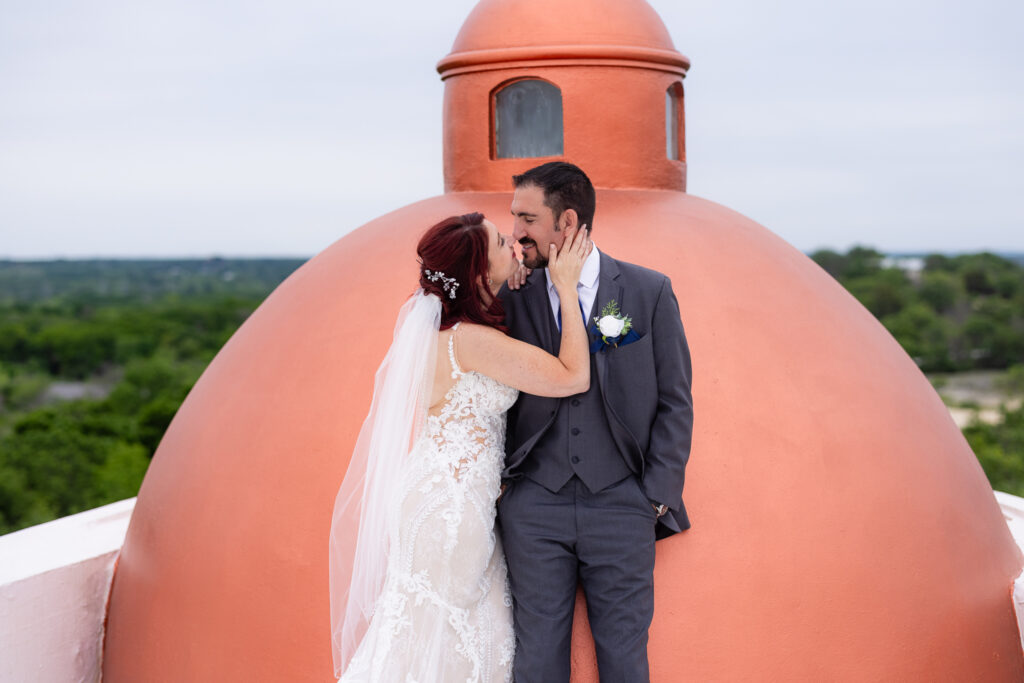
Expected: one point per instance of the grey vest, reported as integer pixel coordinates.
(578, 442)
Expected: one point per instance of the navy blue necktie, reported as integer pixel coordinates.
(558, 317)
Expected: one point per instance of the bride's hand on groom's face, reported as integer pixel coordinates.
(566, 264)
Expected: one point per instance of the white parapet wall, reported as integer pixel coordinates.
(55, 580)
(54, 583)
(1013, 511)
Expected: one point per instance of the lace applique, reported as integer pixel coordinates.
(472, 417)
(446, 565)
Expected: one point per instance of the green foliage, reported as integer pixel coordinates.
(960, 312)
(120, 475)
(145, 330)
(940, 290)
(1013, 382)
(833, 262)
(994, 333)
(884, 292)
(58, 450)
(73, 348)
(939, 263)
(1000, 450)
(859, 262)
(924, 334)
(20, 386)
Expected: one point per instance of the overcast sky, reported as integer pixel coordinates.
(197, 128)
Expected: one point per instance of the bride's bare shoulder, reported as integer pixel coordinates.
(477, 333)
(476, 342)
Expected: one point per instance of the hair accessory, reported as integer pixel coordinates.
(448, 284)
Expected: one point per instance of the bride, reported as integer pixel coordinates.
(419, 591)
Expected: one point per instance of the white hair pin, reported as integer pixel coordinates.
(448, 284)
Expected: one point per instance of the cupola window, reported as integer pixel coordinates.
(674, 122)
(528, 120)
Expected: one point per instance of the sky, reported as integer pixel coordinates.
(139, 128)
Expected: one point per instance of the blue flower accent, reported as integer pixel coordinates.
(605, 343)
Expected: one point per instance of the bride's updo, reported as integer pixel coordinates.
(453, 264)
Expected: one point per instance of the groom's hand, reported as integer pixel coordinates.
(518, 278)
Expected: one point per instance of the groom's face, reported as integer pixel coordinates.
(534, 226)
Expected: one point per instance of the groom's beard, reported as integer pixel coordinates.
(532, 257)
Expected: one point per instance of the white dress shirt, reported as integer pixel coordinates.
(587, 287)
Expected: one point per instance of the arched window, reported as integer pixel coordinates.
(528, 120)
(674, 122)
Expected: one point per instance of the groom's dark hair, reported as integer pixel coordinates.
(565, 186)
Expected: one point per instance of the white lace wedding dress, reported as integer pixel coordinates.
(445, 613)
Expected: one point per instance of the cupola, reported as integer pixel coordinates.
(595, 82)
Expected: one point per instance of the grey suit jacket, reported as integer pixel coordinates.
(645, 385)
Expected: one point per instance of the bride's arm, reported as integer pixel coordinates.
(525, 366)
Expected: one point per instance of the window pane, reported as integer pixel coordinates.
(672, 123)
(528, 121)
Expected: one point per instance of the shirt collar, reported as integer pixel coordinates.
(588, 276)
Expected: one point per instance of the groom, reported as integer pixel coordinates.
(592, 479)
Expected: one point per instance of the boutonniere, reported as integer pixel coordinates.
(613, 327)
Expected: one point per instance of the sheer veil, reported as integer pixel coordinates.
(365, 510)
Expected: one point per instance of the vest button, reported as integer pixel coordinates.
(575, 431)
(575, 401)
(575, 459)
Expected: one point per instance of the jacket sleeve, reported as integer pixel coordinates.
(671, 433)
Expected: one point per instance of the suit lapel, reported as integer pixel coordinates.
(609, 288)
(538, 309)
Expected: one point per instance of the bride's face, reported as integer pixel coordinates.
(501, 257)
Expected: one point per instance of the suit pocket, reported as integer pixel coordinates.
(633, 347)
(634, 360)
(644, 500)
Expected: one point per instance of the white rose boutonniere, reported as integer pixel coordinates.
(613, 327)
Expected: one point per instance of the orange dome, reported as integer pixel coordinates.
(502, 30)
(842, 528)
(545, 23)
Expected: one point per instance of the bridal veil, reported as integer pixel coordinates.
(366, 507)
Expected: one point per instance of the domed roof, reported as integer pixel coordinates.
(539, 29)
(521, 23)
(841, 523)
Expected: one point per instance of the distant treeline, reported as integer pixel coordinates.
(948, 312)
(104, 281)
(137, 335)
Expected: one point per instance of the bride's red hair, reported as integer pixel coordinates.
(457, 247)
